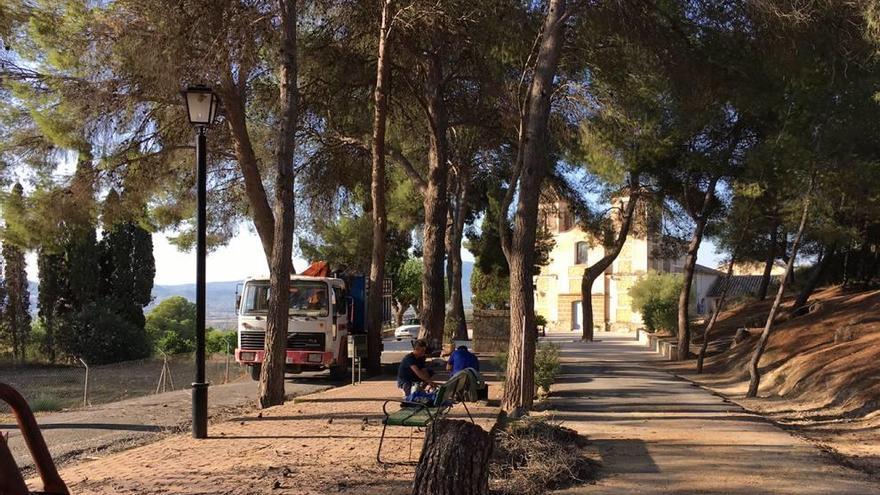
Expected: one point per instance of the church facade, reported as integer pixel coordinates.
(558, 286)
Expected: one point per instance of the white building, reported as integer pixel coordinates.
(558, 287)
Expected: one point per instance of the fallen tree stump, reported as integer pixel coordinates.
(454, 460)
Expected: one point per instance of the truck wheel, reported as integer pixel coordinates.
(338, 373)
(255, 371)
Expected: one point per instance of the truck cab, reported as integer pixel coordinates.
(321, 317)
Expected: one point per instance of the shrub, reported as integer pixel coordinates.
(490, 291)
(171, 326)
(36, 344)
(540, 320)
(547, 365)
(45, 402)
(217, 340)
(656, 296)
(101, 335)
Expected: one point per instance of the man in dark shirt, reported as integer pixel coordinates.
(462, 358)
(412, 369)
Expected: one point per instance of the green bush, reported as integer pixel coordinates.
(36, 344)
(102, 335)
(655, 296)
(490, 291)
(45, 402)
(547, 366)
(540, 320)
(171, 326)
(216, 341)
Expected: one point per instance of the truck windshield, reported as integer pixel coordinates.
(307, 298)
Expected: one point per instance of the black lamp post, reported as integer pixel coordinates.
(201, 106)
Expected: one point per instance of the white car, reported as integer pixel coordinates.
(409, 330)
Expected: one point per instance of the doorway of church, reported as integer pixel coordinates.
(577, 316)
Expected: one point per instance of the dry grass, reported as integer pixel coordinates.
(534, 455)
(109, 383)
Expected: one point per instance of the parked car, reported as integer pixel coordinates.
(409, 329)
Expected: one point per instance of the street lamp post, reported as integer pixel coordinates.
(201, 107)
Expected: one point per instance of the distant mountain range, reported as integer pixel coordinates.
(220, 297)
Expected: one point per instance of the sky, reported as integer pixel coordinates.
(243, 257)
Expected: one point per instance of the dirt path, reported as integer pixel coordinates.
(657, 434)
(117, 425)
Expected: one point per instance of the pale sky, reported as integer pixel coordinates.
(243, 256)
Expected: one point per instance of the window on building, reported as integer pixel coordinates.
(581, 249)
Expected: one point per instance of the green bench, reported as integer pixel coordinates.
(420, 415)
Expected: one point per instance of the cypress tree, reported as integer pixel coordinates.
(16, 317)
(49, 296)
(127, 269)
(16, 314)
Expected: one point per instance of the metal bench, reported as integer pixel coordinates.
(420, 415)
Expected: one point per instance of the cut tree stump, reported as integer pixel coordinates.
(454, 460)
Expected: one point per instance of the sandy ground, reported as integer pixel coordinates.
(321, 443)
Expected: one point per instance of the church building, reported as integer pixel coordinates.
(558, 286)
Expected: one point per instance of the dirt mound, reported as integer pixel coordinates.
(827, 358)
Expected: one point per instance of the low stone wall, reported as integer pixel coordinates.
(491, 330)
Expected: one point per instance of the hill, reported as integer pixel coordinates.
(821, 371)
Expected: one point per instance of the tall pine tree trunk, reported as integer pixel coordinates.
(435, 205)
(519, 387)
(768, 265)
(754, 372)
(272, 373)
(593, 272)
(233, 97)
(377, 191)
(456, 295)
(684, 328)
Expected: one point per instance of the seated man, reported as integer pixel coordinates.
(462, 358)
(412, 369)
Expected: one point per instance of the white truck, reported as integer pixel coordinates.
(324, 311)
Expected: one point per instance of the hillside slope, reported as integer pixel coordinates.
(821, 371)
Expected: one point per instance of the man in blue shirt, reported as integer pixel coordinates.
(462, 358)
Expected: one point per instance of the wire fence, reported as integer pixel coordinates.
(58, 387)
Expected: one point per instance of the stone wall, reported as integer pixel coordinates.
(491, 330)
